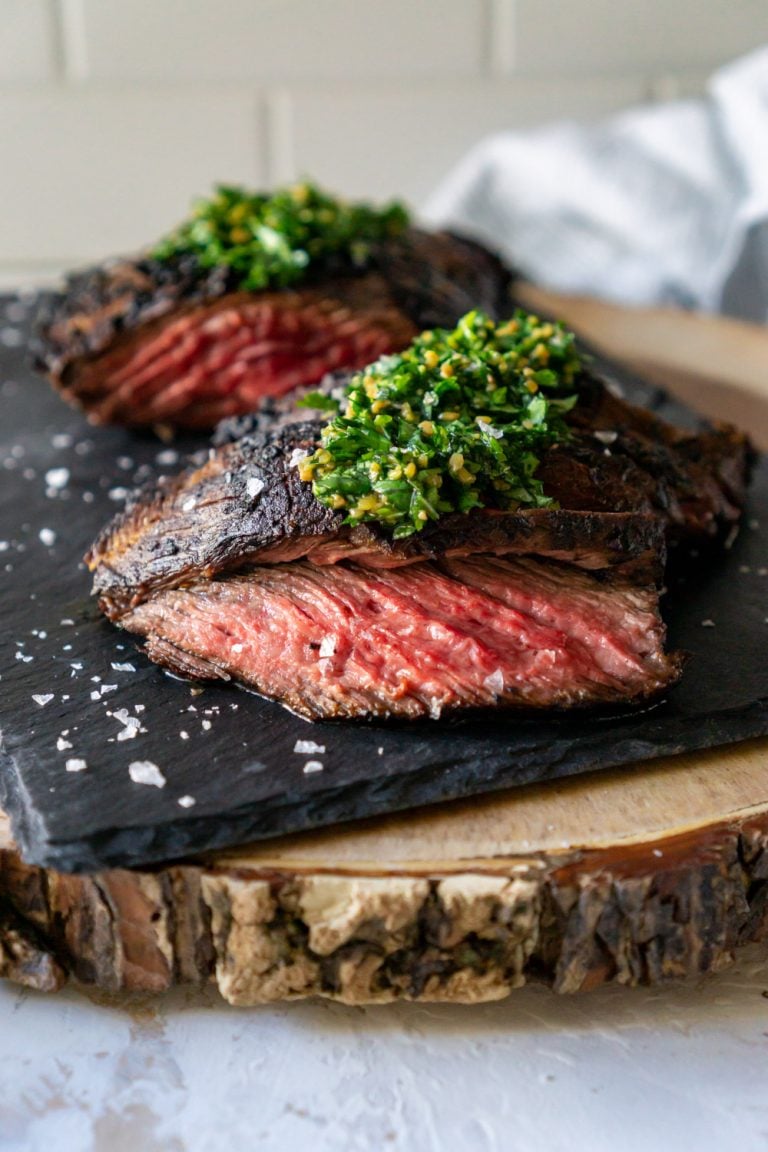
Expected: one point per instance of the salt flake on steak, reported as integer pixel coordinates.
(297, 456)
(495, 682)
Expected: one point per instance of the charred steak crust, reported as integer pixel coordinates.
(241, 500)
(625, 458)
(429, 278)
(245, 504)
(624, 481)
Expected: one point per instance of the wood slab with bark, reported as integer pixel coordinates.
(639, 875)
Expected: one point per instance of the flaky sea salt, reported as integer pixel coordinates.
(62, 745)
(47, 537)
(43, 698)
(123, 668)
(495, 682)
(307, 747)
(186, 801)
(313, 766)
(76, 765)
(146, 772)
(131, 724)
(57, 478)
(254, 486)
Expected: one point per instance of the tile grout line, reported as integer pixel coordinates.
(500, 37)
(279, 149)
(71, 40)
(56, 26)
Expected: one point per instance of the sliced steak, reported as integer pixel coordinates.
(420, 640)
(245, 505)
(233, 570)
(145, 342)
(624, 458)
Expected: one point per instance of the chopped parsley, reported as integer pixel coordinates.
(457, 421)
(271, 240)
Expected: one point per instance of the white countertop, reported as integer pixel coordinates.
(677, 1068)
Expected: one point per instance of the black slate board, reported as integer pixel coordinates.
(238, 761)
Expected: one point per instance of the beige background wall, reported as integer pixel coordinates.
(114, 113)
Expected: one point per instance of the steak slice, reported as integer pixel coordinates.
(145, 342)
(430, 637)
(233, 570)
(246, 505)
(624, 458)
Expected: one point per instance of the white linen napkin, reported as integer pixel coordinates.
(661, 204)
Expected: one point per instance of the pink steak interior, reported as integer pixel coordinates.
(204, 363)
(346, 641)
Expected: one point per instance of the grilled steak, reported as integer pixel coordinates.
(233, 570)
(344, 640)
(146, 342)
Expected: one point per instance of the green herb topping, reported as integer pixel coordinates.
(269, 241)
(455, 422)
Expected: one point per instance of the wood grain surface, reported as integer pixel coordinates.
(654, 872)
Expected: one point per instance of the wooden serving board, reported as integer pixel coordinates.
(646, 873)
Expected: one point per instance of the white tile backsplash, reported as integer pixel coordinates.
(115, 113)
(587, 36)
(86, 174)
(377, 142)
(271, 40)
(27, 33)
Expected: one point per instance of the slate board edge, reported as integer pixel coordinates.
(439, 783)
